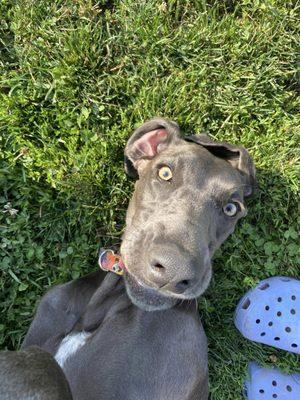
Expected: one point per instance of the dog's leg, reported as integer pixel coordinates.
(31, 374)
(59, 310)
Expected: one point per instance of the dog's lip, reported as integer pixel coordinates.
(144, 285)
(148, 287)
(146, 297)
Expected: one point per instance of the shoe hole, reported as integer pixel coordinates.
(293, 311)
(258, 321)
(246, 304)
(288, 388)
(264, 287)
(279, 314)
(270, 323)
(293, 297)
(274, 383)
(294, 345)
(288, 329)
(261, 391)
(263, 334)
(267, 308)
(279, 299)
(274, 396)
(276, 338)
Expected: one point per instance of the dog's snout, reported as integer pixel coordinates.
(174, 274)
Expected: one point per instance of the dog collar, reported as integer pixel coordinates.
(109, 261)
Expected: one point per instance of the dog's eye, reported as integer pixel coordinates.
(165, 173)
(231, 209)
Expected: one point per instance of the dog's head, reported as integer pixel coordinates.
(188, 197)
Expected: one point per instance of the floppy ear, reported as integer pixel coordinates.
(147, 141)
(237, 156)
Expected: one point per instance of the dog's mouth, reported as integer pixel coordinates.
(145, 297)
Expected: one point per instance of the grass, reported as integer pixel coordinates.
(77, 76)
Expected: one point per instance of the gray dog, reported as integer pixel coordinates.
(31, 374)
(140, 336)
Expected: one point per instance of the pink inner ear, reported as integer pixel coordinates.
(148, 143)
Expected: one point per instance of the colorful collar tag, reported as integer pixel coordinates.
(109, 261)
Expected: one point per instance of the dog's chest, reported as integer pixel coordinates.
(70, 345)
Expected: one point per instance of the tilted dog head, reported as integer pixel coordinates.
(187, 200)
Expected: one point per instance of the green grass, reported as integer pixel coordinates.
(77, 77)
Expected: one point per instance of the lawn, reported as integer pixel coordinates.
(77, 76)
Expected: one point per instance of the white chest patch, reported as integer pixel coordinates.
(69, 345)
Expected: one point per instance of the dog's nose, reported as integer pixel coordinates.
(171, 275)
(183, 285)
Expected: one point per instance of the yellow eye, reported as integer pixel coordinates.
(165, 173)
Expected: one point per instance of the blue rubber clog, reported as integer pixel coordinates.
(270, 313)
(270, 384)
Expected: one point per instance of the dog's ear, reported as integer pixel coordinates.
(147, 141)
(237, 156)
